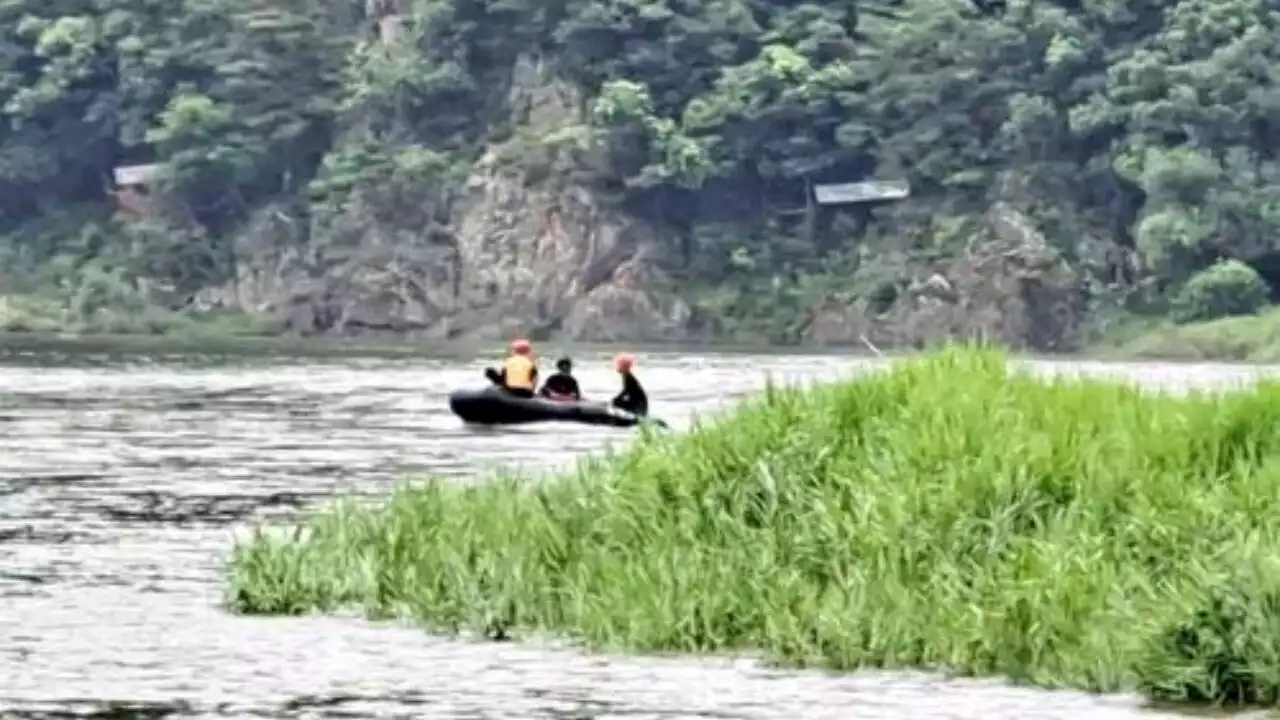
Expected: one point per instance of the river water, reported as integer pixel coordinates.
(123, 481)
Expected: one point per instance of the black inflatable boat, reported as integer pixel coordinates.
(493, 406)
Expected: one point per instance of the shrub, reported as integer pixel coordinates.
(1229, 287)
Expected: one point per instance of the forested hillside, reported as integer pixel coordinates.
(640, 168)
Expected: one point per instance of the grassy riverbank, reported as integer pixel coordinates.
(1254, 339)
(32, 314)
(1250, 338)
(949, 512)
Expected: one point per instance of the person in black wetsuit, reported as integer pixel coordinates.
(632, 398)
(561, 385)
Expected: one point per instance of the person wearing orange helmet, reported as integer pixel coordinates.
(519, 373)
(632, 398)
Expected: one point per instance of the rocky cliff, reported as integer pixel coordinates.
(532, 249)
(1008, 286)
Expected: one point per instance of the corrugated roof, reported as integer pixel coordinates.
(136, 174)
(871, 190)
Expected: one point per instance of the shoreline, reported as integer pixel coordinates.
(1248, 341)
(381, 346)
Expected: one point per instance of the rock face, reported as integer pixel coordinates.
(527, 249)
(538, 252)
(1011, 287)
(552, 260)
(539, 259)
(530, 250)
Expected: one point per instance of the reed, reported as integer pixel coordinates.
(949, 513)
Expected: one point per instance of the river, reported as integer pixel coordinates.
(123, 481)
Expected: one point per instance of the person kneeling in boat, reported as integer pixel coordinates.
(632, 398)
(561, 385)
(519, 373)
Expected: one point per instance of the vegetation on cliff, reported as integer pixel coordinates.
(1064, 532)
(1127, 145)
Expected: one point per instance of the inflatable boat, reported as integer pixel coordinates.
(494, 406)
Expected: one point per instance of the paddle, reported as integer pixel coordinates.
(658, 421)
(643, 419)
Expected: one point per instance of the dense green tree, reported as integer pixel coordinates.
(1121, 127)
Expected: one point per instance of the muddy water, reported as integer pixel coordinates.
(121, 486)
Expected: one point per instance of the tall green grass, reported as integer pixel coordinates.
(948, 513)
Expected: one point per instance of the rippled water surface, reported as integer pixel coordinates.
(121, 484)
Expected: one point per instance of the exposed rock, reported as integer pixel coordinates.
(936, 287)
(1010, 287)
(529, 250)
(524, 247)
(544, 260)
(538, 251)
(628, 308)
(835, 322)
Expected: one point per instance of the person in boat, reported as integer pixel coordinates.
(561, 385)
(519, 373)
(632, 398)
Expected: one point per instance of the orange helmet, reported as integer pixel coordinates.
(623, 362)
(521, 347)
